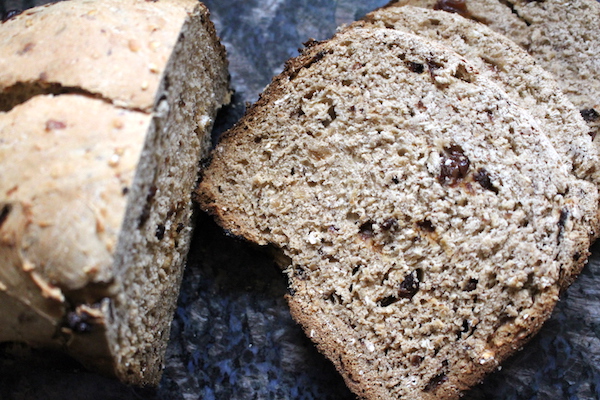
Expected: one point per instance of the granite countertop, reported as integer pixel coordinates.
(232, 336)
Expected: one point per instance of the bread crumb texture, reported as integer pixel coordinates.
(559, 34)
(428, 220)
(105, 110)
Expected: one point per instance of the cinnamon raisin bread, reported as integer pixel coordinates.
(105, 111)
(559, 34)
(424, 218)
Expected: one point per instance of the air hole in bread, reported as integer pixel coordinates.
(6, 209)
(470, 285)
(436, 381)
(366, 230)
(332, 116)
(463, 74)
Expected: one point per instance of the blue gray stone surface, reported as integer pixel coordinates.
(232, 336)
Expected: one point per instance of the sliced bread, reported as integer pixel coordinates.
(527, 84)
(106, 110)
(424, 220)
(561, 35)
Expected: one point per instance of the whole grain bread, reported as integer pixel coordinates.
(504, 62)
(424, 220)
(106, 110)
(559, 34)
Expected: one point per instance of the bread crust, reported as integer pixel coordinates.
(87, 43)
(100, 139)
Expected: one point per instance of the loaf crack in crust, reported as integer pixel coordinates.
(425, 221)
(106, 109)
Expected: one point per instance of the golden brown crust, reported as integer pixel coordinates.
(135, 50)
(110, 136)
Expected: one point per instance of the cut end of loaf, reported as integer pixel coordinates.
(157, 230)
(427, 218)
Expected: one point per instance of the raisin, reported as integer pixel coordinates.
(386, 301)
(416, 360)
(590, 115)
(454, 166)
(160, 232)
(52, 124)
(453, 6)
(426, 225)
(409, 286)
(366, 230)
(415, 67)
(483, 178)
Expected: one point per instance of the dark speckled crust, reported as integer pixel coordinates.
(228, 281)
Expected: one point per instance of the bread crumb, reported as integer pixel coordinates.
(486, 356)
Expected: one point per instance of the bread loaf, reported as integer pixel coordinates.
(106, 109)
(559, 34)
(424, 219)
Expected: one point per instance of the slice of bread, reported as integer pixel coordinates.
(560, 35)
(504, 62)
(106, 110)
(425, 218)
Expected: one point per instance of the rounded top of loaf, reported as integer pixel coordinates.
(115, 49)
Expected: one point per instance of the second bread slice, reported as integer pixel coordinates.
(426, 218)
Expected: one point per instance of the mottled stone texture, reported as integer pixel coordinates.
(233, 337)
